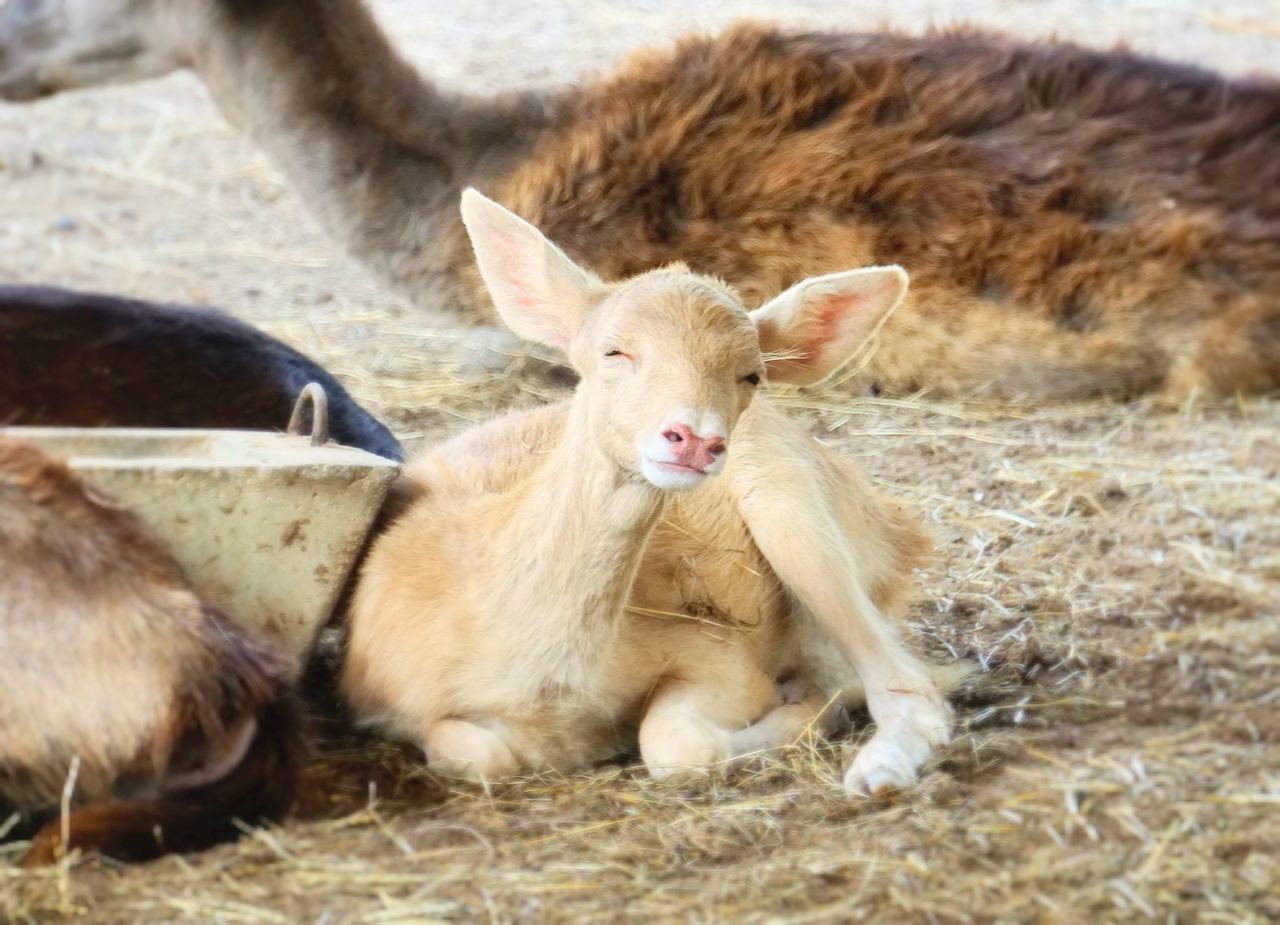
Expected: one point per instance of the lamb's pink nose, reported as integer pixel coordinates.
(690, 449)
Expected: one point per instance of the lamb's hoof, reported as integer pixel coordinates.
(877, 774)
(892, 759)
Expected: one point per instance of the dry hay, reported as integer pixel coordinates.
(1114, 570)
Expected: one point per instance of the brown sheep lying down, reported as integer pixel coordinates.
(1075, 222)
(163, 720)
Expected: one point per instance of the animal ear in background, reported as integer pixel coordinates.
(812, 329)
(540, 293)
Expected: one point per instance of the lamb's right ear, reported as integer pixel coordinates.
(540, 293)
(812, 329)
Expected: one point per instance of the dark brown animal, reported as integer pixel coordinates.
(80, 359)
(1076, 223)
(162, 722)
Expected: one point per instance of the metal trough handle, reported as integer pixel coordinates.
(313, 394)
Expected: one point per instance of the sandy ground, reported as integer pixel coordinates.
(1114, 568)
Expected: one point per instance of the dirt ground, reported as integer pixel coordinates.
(1113, 570)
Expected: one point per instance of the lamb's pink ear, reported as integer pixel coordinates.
(540, 293)
(809, 331)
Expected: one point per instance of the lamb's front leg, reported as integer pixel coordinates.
(803, 711)
(799, 525)
(912, 720)
(456, 748)
(695, 727)
(677, 735)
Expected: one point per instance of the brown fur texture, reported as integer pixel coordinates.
(1076, 222)
(112, 664)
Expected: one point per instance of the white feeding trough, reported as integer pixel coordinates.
(267, 526)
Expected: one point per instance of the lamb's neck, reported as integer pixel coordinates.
(379, 154)
(573, 549)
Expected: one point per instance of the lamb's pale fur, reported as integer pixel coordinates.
(547, 598)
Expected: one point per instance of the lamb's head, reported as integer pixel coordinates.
(51, 45)
(670, 359)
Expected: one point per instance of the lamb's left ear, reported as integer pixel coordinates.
(540, 293)
(809, 331)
